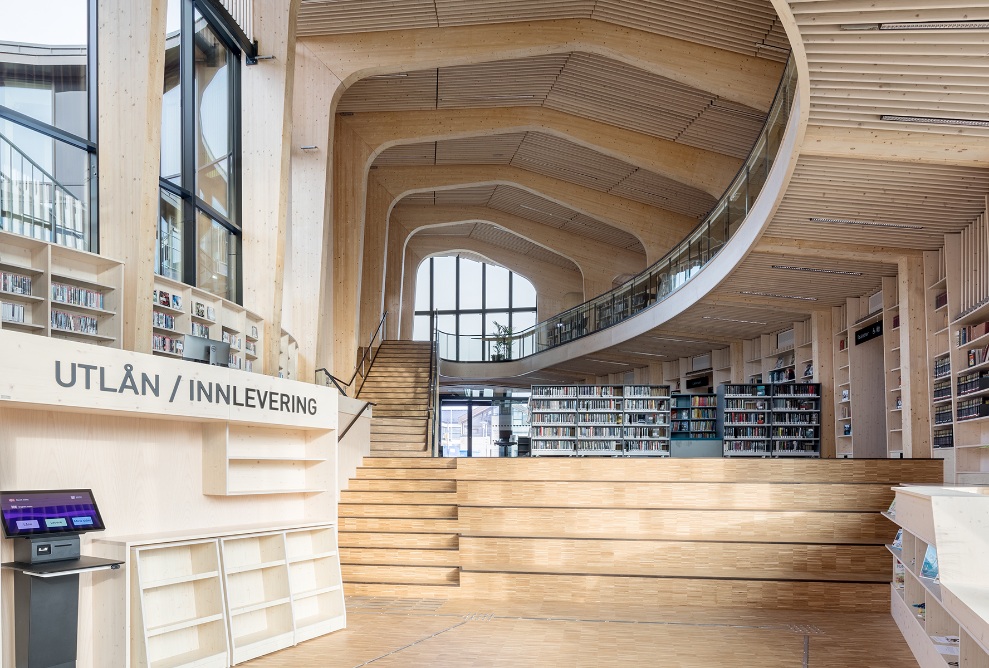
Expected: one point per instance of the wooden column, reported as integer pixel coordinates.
(376, 225)
(312, 236)
(913, 358)
(131, 54)
(267, 119)
(737, 362)
(350, 163)
(823, 352)
(411, 262)
(395, 266)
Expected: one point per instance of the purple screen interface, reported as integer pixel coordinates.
(26, 513)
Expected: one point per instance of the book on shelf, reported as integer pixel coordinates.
(970, 333)
(13, 313)
(972, 409)
(844, 395)
(809, 370)
(941, 300)
(76, 296)
(167, 344)
(898, 541)
(17, 284)
(163, 320)
(977, 356)
(846, 429)
(74, 322)
(199, 329)
(779, 362)
(898, 574)
(930, 566)
(891, 511)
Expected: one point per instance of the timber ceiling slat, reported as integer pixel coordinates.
(468, 12)
(489, 150)
(651, 188)
(398, 92)
(511, 241)
(562, 159)
(457, 230)
(476, 196)
(586, 226)
(524, 82)
(407, 154)
(328, 17)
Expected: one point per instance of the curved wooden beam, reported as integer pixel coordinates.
(732, 76)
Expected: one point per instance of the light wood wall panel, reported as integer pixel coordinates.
(891, 472)
(760, 526)
(757, 561)
(602, 589)
(734, 495)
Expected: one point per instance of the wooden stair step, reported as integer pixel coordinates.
(405, 525)
(401, 498)
(393, 421)
(415, 575)
(400, 463)
(395, 540)
(410, 447)
(389, 485)
(400, 453)
(418, 429)
(398, 511)
(411, 473)
(398, 557)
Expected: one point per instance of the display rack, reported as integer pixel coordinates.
(891, 363)
(180, 310)
(50, 290)
(600, 420)
(315, 582)
(796, 430)
(746, 420)
(694, 416)
(928, 613)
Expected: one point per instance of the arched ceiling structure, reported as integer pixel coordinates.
(867, 194)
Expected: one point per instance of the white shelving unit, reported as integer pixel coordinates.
(259, 605)
(929, 611)
(179, 602)
(315, 582)
(646, 420)
(746, 418)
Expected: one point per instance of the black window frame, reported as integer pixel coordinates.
(90, 144)
(484, 310)
(192, 205)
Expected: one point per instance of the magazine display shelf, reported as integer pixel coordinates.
(932, 612)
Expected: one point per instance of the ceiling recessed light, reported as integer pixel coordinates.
(936, 25)
(748, 322)
(818, 271)
(860, 26)
(932, 120)
(588, 359)
(866, 223)
(777, 296)
(395, 75)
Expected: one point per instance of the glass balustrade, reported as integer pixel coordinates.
(663, 278)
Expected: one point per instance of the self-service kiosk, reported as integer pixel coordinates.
(45, 526)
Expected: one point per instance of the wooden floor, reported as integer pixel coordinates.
(406, 633)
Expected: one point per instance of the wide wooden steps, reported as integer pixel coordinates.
(398, 385)
(706, 532)
(399, 524)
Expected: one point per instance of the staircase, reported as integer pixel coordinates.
(399, 527)
(398, 385)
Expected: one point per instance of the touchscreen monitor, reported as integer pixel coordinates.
(47, 512)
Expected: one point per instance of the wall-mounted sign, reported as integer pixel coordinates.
(870, 332)
(700, 381)
(57, 374)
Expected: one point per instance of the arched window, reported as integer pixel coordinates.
(469, 297)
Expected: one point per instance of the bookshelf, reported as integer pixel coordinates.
(940, 385)
(315, 582)
(49, 290)
(694, 416)
(932, 608)
(288, 356)
(243, 460)
(721, 366)
(179, 310)
(746, 420)
(967, 282)
(600, 420)
(891, 364)
(180, 605)
(567, 329)
(860, 386)
(796, 430)
(784, 356)
(646, 420)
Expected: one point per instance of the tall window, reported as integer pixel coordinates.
(468, 298)
(48, 121)
(199, 234)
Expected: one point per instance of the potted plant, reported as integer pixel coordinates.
(503, 343)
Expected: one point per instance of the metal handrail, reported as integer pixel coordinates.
(433, 383)
(367, 404)
(675, 269)
(359, 369)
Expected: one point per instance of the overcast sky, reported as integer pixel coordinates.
(50, 22)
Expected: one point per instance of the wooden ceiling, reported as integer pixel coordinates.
(582, 84)
(558, 158)
(749, 27)
(497, 236)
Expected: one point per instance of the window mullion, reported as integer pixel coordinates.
(187, 88)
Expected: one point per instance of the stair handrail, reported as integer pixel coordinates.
(360, 368)
(431, 424)
(367, 404)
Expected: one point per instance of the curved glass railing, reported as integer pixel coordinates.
(659, 281)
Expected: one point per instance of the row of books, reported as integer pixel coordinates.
(72, 294)
(977, 356)
(970, 333)
(647, 391)
(942, 366)
(204, 311)
(614, 432)
(796, 404)
(551, 418)
(610, 446)
(612, 418)
(764, 447)
(942, 389)
(745, 417)
(16, 283)
(942, 414)
(795, 432)
(686, 400)
(772, 390)
(553, 405)
(74, 322)
(163, 298)
(551, 431)
(646, 418)
(159, 319)
(971, 383)
(198, 329)
(694, 425)
(943, 438)
(167, 344)
(234, 341)
(971, 409)
(599, 405)
(646, 404)
(746, 432)
(746, 404)
(797, 418)
(694, 413)
(647, 432)
(11, 312)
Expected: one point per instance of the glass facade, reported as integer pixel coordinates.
(199, 234)
(48, 121)
(470, 300)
